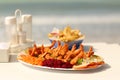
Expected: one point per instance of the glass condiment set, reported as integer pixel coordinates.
(19, 31)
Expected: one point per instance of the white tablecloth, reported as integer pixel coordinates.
(110, 71)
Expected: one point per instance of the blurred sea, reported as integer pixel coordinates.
(100, 22)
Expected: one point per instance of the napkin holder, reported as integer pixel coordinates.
(4, 52)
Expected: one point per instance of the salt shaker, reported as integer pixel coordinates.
(11, 29)
(27, 25)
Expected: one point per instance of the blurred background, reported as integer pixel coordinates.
(99, 20)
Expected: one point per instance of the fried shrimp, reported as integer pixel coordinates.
(78, 57)
(75, 59)
(90, 52)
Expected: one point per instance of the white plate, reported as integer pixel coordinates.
(44, 67)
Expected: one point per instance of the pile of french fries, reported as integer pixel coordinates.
(67, 34)
(40, 53)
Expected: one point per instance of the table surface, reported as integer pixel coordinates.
(111, 70)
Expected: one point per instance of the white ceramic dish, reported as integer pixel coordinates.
(44, 67)
(71, 43)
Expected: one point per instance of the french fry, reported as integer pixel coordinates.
(69, 53)
(47, 56)
(42, 49)
(73, 47)
(59, 44)
(75, 59)
(42, 55)
(81, 47)
(68, 34)
(33, 51)
(77, 51)
(53, 43)
(59, 57)
(63, 50)
(67, 56)
(90, 52)
(56, 51)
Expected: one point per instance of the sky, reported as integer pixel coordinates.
(93, 1)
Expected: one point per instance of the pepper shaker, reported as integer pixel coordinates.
(27, 25)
